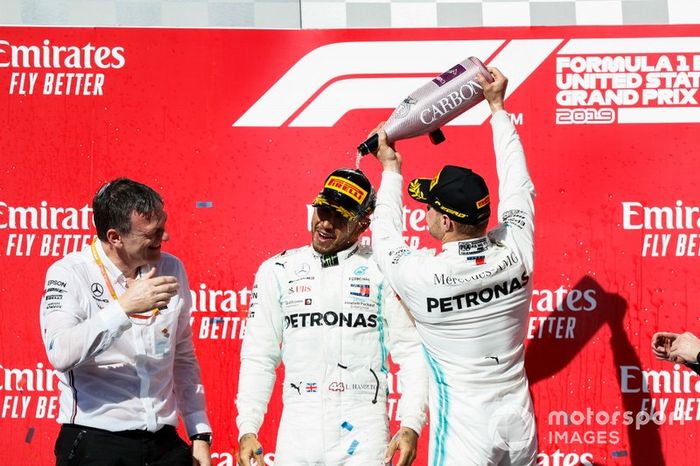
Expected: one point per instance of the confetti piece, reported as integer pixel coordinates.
(29, 436)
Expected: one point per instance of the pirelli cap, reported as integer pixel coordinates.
(349, 192)
(457, 192)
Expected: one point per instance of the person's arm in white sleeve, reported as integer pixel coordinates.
(70, 335)
(187, 377)
(515, 188)
(261, 351)
(391, 252)
(387, 229)
(406, 350)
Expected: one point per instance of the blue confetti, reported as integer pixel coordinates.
(346, 425)
(29, 436)
(353, 446)
(619, 453)
(204, 204)
(217, 320)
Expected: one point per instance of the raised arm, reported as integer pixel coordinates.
(515, 189)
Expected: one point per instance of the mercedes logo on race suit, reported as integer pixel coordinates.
(303, 270)
(97, 290)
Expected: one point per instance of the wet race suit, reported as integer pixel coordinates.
(470, 304)
(332, 320)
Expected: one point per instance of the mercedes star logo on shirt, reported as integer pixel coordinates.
(97, 290)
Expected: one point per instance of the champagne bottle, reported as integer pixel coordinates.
(432, 105)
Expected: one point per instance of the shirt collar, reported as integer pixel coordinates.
(468, 247)
(113, 271)
(115, 274)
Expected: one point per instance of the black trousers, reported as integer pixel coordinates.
(86, 446)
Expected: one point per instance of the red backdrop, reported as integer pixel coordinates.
(237, 129)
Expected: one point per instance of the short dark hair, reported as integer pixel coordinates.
(114, 203)
(471, 231)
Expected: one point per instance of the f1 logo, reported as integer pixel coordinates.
(325, 84)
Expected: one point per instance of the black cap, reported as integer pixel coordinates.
(349, 192)
(457, 192)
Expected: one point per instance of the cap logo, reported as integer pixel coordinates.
(415, 191)
(435, 180)
(404, 107)
(447, 210)
(483, 202)
(346, 187)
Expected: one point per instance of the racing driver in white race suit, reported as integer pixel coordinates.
(470, 302)
(327, 312)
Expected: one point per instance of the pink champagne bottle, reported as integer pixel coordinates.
(434, 104)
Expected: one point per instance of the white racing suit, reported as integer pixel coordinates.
(332, 320)
(470, 304)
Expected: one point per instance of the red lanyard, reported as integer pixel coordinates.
(108, 282)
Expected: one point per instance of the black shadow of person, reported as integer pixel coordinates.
(546, 356)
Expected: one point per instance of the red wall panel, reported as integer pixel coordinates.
(609, 120)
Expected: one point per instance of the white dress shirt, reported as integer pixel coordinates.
(118, 373)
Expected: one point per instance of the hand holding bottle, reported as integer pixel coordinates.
(495, 91)
(386, 154)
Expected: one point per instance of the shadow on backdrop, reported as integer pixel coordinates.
(545, 358)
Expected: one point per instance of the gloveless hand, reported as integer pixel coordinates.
(685, 349)
(495, 92)
(386, 154)
(250, 451)
(148, 292)
(406, 442)
(661, 344)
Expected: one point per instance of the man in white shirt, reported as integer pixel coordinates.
(470, 302)
(326, 311)
(115, 325)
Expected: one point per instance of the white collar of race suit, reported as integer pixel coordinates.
(329, 260)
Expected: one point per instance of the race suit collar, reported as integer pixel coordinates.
(467, 247)
(330, 260)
